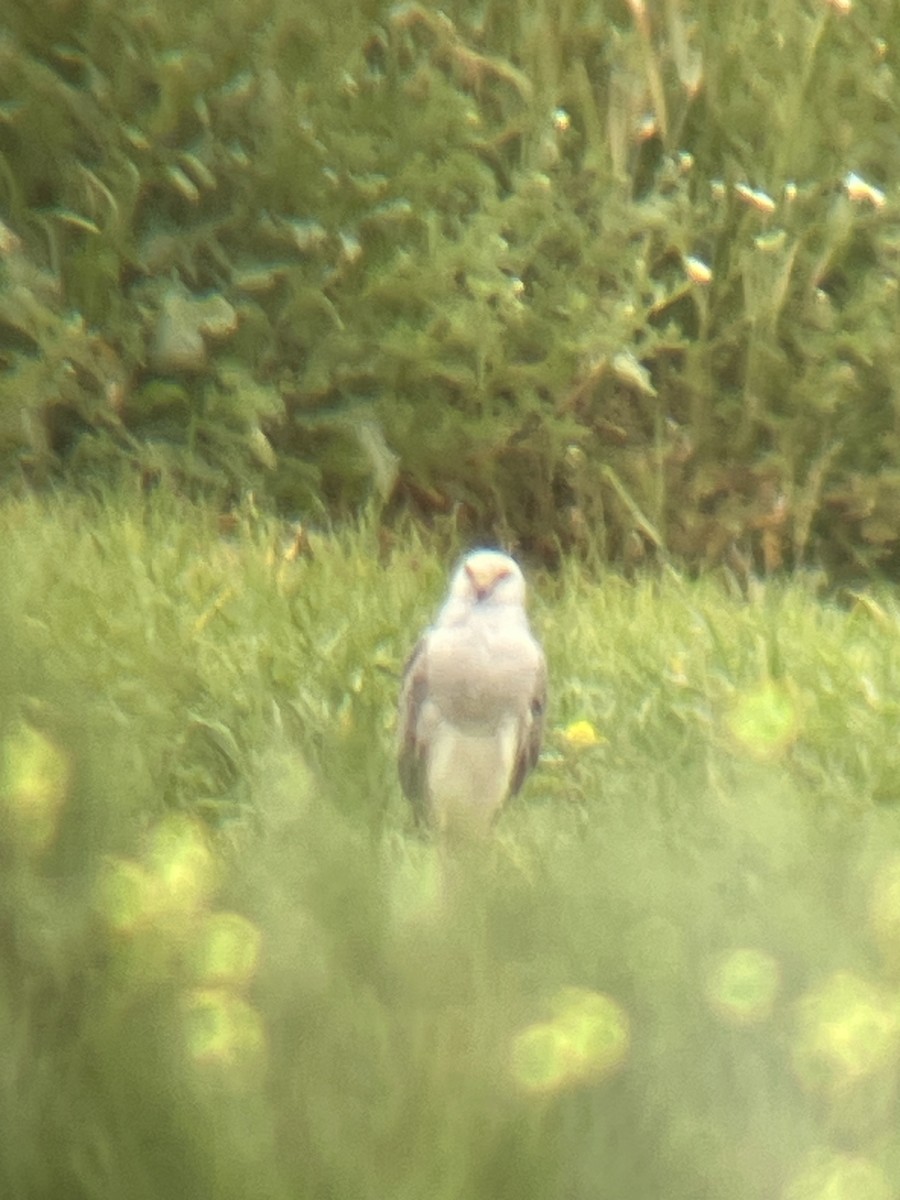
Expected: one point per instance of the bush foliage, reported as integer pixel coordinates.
(618, 276)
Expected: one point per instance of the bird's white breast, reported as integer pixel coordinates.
(482, 672)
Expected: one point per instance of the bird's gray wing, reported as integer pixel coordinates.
(531, 732)
(411, 745)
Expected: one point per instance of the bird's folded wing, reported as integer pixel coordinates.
(531, 731)
(411, 747)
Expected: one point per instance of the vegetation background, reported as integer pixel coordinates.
(584, 274)
(613, 284)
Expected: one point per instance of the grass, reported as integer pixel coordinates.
(230, 968)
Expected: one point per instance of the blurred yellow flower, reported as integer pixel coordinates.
(764, 721)
(223, 1031)
(742, 986)
(848, 1029)
(227, 949)
(34, 782)
(582, 735)
(127, 895)
(587, 1038)
(180, 858)
(174, 880)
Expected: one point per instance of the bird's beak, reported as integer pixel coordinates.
(483, 579)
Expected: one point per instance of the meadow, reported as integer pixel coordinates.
(232, 967)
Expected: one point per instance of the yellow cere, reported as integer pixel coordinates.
(485, 571)
(586, 1039)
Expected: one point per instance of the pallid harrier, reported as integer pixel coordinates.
(473, 698)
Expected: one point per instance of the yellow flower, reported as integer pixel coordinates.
(582, 735)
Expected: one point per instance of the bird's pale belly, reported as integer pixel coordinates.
(468, 776)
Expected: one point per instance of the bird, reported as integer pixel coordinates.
(472, 700)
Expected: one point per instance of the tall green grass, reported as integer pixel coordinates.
(229, 967)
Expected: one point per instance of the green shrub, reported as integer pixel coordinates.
(609, 276)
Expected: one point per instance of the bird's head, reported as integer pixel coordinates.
(488, 577)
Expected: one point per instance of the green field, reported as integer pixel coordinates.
(230, 967)
(613, 282)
